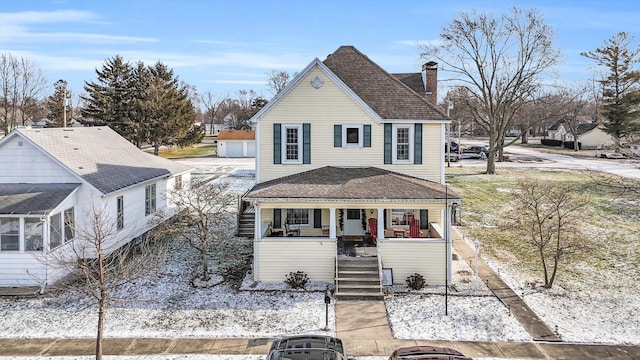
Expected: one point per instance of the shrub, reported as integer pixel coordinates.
(297, 280)
(416, 281)
(551, 142)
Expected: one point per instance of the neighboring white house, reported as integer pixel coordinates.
(591, 137)
(557, 131)
(52, 180)
(237, 143)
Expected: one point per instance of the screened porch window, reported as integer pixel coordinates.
(9, 234)
(402, 216)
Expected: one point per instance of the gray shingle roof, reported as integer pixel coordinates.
(389, 97)
(37, 199)
(341, 183)
(101, 156)
(585, 127)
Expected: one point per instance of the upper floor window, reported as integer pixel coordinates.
(149, 199)
(120, 212)
(292, 144)
(403, 144)
(178, 182)
(352, 135)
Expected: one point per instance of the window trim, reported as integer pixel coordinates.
(69, 225)
(394, 146)
(120, 212)
(345, 128)
(309, 217)
(283, 148)
(150, 200)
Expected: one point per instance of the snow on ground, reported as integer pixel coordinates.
(164, 305)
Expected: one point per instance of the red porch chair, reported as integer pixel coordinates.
(414, 228)
(373, 229)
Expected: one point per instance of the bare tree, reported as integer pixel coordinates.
(21, 82)
(277, 80)
(212, 104)
(547, 215)
(103, 262)
(206, 218)
(500, 60)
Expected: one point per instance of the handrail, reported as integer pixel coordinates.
(379, 256)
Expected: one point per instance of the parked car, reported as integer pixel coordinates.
(477, 149)
(307, 347)
(454, 147)
(613, 156)
(453, 157)
(427, 352)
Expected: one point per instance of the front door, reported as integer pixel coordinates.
(353, 222)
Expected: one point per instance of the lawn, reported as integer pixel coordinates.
(610, 222)
(176, 152)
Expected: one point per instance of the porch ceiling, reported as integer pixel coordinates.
(342, 183)
(38, 199)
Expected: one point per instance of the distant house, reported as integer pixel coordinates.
(557, 131)
(237, 143)
(591, 137)
(53, 179)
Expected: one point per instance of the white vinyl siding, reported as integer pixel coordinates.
(22, 163)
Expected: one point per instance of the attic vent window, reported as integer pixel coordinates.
(20, 143)
(316, 82)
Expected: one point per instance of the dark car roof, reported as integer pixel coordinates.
(427, 353)
(307, 347)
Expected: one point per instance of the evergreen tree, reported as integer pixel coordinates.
(621, 94)
(56, 104)
(111, 99)
(169, 111)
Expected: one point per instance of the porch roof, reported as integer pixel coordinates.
(32, 199)
(351, 183)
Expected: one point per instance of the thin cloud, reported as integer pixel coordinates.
(20, 27)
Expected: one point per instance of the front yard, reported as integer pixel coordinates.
(594, 300)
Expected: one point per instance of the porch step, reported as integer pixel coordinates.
(358, 278)
(246, 223)
(359, 296)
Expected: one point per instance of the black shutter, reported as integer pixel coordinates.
(317, 218)
(417, 144)
(277, 144)
(277, 218)
(387, 143)
(306, 143)
(367, 136)
(424, 219)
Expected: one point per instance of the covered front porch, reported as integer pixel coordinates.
(307, 221)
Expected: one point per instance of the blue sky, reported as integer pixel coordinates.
(225, 46)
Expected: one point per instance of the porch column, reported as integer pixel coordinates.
(332, 223)
(380, 223)
(257, 223)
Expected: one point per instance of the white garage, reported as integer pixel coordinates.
(237, 143)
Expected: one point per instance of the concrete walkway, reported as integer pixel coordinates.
(538, 330)
(362, 320)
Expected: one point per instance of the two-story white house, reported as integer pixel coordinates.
(53, 180)
(349, 154)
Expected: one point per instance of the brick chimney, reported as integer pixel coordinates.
(430, 80)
